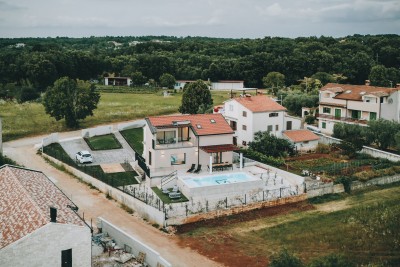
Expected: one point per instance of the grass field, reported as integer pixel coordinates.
(134, 137)
(29, 119)
(103, 142)
(364, 227)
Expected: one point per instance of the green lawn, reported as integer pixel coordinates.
(164, 198)
(29, 119)
(134, 137)
(103, 142)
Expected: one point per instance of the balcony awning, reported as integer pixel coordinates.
(219, 148)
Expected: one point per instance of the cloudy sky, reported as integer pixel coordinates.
(214, 18)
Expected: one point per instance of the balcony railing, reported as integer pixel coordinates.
(345, 119)
(163, 144)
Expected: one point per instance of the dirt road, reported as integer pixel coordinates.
(95, 204)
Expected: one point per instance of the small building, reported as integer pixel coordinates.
(227, 85)
(180, 84)
(39, 225)
(118, 81)
(250, 114)
(304, 140)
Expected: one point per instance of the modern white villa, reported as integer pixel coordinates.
(38, 222)
(173, 143)
(249, 114)
(356, 104)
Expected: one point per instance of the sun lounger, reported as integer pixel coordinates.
(174, 195)
(198, 169)
(192, 168)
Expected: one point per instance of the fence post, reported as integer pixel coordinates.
(226, 202)
(280, 192)
(245, 199)
(263, 195)
(186, 208)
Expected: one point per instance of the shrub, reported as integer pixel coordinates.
(255, 155)
(310, 119)
(322, 149)
(285, 259)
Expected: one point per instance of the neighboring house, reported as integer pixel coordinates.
(176, 142)
(227, 85)
(179, 84)
(118, 81)
(303, 140)
(356, 104)
(38, 226)
(249, 114)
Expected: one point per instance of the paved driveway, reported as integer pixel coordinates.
(126, 153)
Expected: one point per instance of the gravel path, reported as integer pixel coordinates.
(95, 204)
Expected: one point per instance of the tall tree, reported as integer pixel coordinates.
(167, 80)
(274, 80)
(72, 100)
(196, 95)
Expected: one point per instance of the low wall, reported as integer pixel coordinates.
(153, 258)
(130, 125)
(376, 181)
(324, 139)
(52, 138)
(323, 189)
(145, 211)
(100, 130)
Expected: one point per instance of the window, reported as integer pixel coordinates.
(212, 121)
(305, 142)
(198, 126)
(166, 137)
(178, 159)
(234, 141)
(217, 157)
(244, 143)
(230, 107)
(372, 116)
(356, 114)
(277, 127)
(233, 125)
(326, 110)
(289, 125)
(244, 127)
(274, 114)
(269, 128)
(323, 125)
(66, 258)
(183, 134)
(149, 157)
(244, 113)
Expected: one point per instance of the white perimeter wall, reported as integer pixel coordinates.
(43, 247)
(100, 130)
(121, 238)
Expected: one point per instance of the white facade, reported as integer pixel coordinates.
(227, 85)
(44, 247)
(390, 110)
(118, 81)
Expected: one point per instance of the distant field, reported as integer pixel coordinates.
(364, 227)
(29, 119)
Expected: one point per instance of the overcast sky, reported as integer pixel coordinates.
(213, 18)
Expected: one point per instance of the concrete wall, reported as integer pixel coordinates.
(121, 238)
(226, 85)
(43, 247)
(144, 210)
(391, 109)
(131, 125)
(52, 138)
(321, 189)
(100, 130)
(376, 181)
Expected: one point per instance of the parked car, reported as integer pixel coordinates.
(84, 157)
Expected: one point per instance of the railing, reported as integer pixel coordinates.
(347, 119)
(142, 164)
(168, 178)
(174, 144)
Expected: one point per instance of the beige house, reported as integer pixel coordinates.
(173, 143)
(356, 104)
(39, 225)
(249, 114)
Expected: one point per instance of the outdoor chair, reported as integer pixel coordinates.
(175, 189)
(198, 169)
(192, 168)
(174, 195)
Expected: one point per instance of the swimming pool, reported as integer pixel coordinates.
(217, 179)
(218, 185)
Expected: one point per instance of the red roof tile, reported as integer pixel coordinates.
(219, 148)
(355, 92)
(201, 123)
(25, 200)
(260, 103)
(301, 135)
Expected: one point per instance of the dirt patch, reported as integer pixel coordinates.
(112, 168)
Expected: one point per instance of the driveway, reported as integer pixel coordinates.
(124, 154)
(95, 204)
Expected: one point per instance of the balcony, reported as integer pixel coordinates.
(343, 119)
(173, 143)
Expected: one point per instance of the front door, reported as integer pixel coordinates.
(217, 157)
(338, 113)
(66, 258)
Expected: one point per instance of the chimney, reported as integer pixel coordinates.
(53, 214)
(367, 82)
(398, 85)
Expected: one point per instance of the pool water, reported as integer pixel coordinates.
(217, 179)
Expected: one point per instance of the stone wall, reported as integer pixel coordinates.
(376, 181)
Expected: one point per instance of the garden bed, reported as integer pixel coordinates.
(103, 142)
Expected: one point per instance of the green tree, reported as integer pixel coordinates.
(167, 80)
(353, 137)
(323, 77)
(285, 259)
(72, 100)
(270, 145)
(138, 78)
(294, 102)
(332, 260)
(274, 80)
(194, 96)
(381, 132)
(379, 76)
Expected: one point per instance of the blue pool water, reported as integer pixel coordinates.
(217, 179)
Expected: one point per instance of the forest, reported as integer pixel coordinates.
(35, 63)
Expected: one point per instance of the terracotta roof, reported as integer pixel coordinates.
(230, 81)
(202, 124)
(356, 92)
(332, 104)
(259, 103)
(300, 135)
(219, 148)
(25, 200)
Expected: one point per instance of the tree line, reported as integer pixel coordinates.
(39, 62)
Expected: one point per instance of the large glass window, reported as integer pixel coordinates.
(183, 134)
(178, 159)
(166, 137)
(326, 110)
(356, 114)
(217, 157)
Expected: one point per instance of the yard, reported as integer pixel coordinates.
(364, 227)
(103, 142)
(134, 137)
(29, 119)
